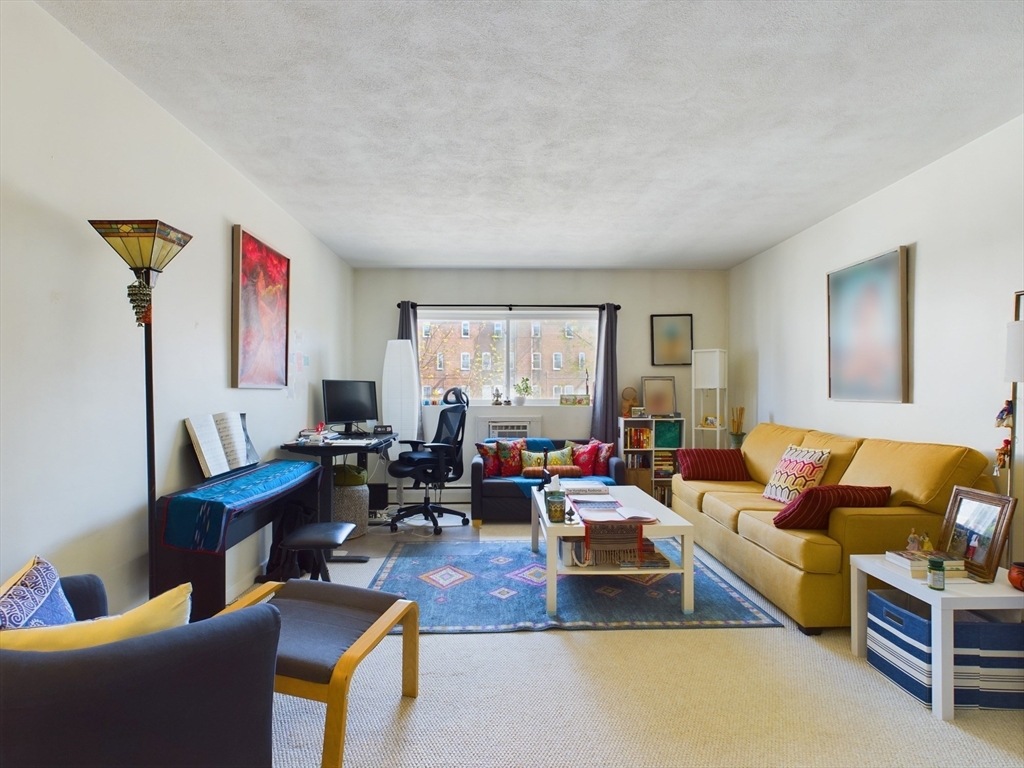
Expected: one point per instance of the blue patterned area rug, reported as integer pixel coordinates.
(466, 587)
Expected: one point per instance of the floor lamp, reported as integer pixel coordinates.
(147, 246)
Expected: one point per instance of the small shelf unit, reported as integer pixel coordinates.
(648, 447)
(710, 396)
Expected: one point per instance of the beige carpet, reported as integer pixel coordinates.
(714, 697)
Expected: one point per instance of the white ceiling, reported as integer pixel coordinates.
(568, 134)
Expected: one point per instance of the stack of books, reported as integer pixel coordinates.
(326, 434)
(664, 464)
(916, 562)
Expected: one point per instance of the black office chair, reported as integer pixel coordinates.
(437, 463)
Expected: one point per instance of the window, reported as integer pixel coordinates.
(569, 389)
(583, 360)
(425, 391)
(568, 330)
(503, 347)
(556, 391)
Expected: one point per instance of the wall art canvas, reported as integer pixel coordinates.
(867, 330)
(671, 339)
(261, 286)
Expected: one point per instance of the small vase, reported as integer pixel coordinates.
(1016, 576)
(519, 400)
(736, 439)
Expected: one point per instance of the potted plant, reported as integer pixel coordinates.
(523, 389)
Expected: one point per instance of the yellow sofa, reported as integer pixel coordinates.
(806, 572)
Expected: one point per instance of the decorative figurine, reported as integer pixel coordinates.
(507, 402)
(497, 396)
(586, 384)
(926, 543)
(1005, 417)
(913, 541)
(629, 402)
(1003, 455)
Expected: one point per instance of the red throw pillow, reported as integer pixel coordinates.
(510, 454)
(492, 467)
(812, 507)
(604, 453)
(712, 464)
(585, 456)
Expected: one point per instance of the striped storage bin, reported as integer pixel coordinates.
(899, 646)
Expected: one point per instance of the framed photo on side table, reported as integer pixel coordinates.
(975, 529)
(659, 395)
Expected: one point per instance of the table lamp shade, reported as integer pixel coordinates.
(1015, 351)
(143, 243)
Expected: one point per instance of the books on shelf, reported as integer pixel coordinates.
(637, 437)
(221, 441)
(664, 463)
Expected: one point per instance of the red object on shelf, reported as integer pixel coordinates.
(1016, 576)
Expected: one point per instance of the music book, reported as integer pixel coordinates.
(222, 442)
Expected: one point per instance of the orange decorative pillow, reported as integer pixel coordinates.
(536, 473)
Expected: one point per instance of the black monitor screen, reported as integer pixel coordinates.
(349, 402)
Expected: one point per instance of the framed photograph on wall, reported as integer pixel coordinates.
(659, 395)
(867, 330)
(260, 295)
(671, 339)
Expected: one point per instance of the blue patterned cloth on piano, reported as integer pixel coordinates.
(198, 519)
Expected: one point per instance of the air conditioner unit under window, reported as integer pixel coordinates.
(508, 429)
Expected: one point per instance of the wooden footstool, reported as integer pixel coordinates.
(326, 630)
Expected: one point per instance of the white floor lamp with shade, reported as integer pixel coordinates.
(400, 393)
(1015, 375)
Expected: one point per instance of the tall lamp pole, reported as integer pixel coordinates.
(147, 246)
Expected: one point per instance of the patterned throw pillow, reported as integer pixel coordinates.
(811, 508)
(561, 457)
(605, 451)
(799, 468)
(712, 464)
(492, 467)
(510, 454)
(585, 456)
(33, 598)
(532, 459)
(535, 473)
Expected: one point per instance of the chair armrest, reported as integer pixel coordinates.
(86, 594)
(617, 470)
(413, 443)
(440, 447)
(201, 694)
(873, 530)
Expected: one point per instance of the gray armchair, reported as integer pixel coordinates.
(198, 695)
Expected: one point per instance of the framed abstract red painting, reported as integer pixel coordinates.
(260, 316)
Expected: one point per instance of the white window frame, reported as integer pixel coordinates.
(535, 361)
(440, 361)
(485, 361)
(464, 361)
(509, 334)
(569, 389)
(535, 329)
(426, 330)
(556, 361)
(556, 391)
(583, 360)
(465, 329)
(568, 329)
(426, 391)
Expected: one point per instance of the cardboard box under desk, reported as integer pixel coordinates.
(988, 654)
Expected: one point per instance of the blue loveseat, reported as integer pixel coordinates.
(507, 499)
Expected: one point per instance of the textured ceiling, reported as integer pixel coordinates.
(580, 134)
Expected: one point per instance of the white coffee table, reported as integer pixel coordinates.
(670, 525)
(957, 596)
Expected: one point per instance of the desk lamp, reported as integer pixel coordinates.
(147, 246)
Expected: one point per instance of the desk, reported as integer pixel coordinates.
(957, 596)
(326, 452)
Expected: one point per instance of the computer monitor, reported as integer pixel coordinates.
(349, 402)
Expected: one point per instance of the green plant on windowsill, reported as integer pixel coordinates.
(523, 388)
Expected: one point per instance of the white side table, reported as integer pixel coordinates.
(957, 596)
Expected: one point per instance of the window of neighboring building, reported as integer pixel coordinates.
(498, 330)
(440, 361)
(583, 360)
(556, 361)
(569, 389)
(485, 361)
(535, 361)
(425, 391)
(465, 329)
(535, 330)
(568, 330)
(426, 330)
(464, 362)
(556, 391)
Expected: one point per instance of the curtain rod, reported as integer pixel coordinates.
(510, 307)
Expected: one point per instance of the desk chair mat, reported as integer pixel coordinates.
(319, 622)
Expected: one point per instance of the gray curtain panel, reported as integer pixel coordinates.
(604, 423)
(407, 330)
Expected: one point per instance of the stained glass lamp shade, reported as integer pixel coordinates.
(147, 246)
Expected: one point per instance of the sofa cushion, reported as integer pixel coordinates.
(605, 451)
(33, 597)
(799, 468)
(810, 551)
(585, 456)
(692, 492)
(920, 474)
(841, 450)
(502, 487)
(711, 464)
(765, 445)
(724, 508)
(813, 507)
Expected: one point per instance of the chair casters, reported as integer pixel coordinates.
(394, 527)
(437, 530)
(465, 521)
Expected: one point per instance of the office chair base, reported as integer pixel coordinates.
(430, 512)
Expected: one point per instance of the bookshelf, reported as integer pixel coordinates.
(647, 446)
(710, 382)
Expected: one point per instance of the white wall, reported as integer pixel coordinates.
(78, 141)
(640, 293)
(963, 218)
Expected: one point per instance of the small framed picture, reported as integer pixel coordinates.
(638, 413)
(659, 395)
(711, 422)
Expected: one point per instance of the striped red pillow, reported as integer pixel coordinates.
(812, 507)
(711, 464)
